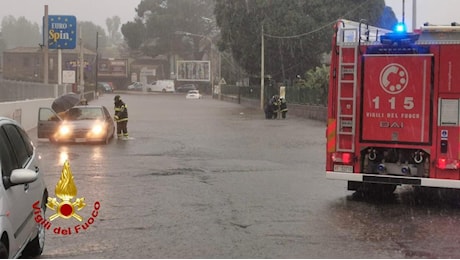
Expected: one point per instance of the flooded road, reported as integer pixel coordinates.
(211, 179)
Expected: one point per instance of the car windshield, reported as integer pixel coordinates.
(86, 113)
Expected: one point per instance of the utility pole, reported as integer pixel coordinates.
(97, 63)
(82, 66)
(414, 15)
(262, 69)
(45, 43)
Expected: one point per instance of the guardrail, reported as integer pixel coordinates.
(11, 90)
(21, 100)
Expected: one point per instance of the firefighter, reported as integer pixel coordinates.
(268, 109)
(283, 107)
(276, 106)
(121, 118)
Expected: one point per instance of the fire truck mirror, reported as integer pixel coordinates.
(443, 146)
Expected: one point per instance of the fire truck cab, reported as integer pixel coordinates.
(394, 107)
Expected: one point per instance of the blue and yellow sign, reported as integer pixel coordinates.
(62, 32)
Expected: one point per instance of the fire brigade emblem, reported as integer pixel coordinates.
(66, 191)
(394, 78)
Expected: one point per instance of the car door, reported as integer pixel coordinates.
(110, 124)
(17, 198)
(48, 122)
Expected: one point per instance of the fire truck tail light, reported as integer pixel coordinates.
(447, 164)
(345, 158)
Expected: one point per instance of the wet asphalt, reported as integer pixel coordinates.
(212, 179)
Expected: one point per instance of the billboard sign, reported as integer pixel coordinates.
(62, 31)
(113, 68)
(193, 70)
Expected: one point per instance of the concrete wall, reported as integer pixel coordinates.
(25, 112)
(306, 111)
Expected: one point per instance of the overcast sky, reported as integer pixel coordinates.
(433, 11)
(439, 12)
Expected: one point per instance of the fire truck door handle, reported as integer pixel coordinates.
(443, 146)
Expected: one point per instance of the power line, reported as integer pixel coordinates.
(318, 29)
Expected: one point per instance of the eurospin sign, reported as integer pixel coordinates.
(62, 31)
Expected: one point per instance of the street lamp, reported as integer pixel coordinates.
(211, 63)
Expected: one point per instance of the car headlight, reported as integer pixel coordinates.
(97, 129)
(64, 130)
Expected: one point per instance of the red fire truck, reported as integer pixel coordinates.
(394, 107)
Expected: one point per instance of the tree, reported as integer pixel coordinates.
(20, 33)
(89, 33)
(317, 80)
(296, 32)
(113, 25)
(133, 33)
(156, 30)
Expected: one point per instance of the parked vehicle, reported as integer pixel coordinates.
(161, 86)
(135, 86)
(186, 87)
(104, 87)
(393, 108)
(78, 124)
(193, 94)
(23, 194)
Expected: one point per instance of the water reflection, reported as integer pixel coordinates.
(420, 223)
(63, 155)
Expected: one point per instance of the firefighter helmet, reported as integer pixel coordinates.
(117, 97)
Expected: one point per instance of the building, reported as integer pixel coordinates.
(27, 64)
(146, 69)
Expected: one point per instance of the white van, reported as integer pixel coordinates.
(164, 85)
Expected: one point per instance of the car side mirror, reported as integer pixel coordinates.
(23, 176)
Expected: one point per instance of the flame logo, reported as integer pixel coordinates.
(66, 190)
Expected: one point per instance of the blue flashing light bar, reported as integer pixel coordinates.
(400, 27)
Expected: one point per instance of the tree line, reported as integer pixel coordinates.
(20, 32)
(296, 33)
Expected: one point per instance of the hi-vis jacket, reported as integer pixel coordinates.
(121, 111)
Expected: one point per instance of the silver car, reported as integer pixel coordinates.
(78, 124)
(23, 194)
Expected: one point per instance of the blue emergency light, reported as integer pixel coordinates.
(399, 36)
(400, 28)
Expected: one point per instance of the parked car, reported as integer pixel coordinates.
(186, 87)
(23, 194)
(193, 94)
(104, 87)
(164, 85)
(135, 86)
(78, 124)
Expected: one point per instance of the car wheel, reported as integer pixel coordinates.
(3, 251)
(35, 247)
